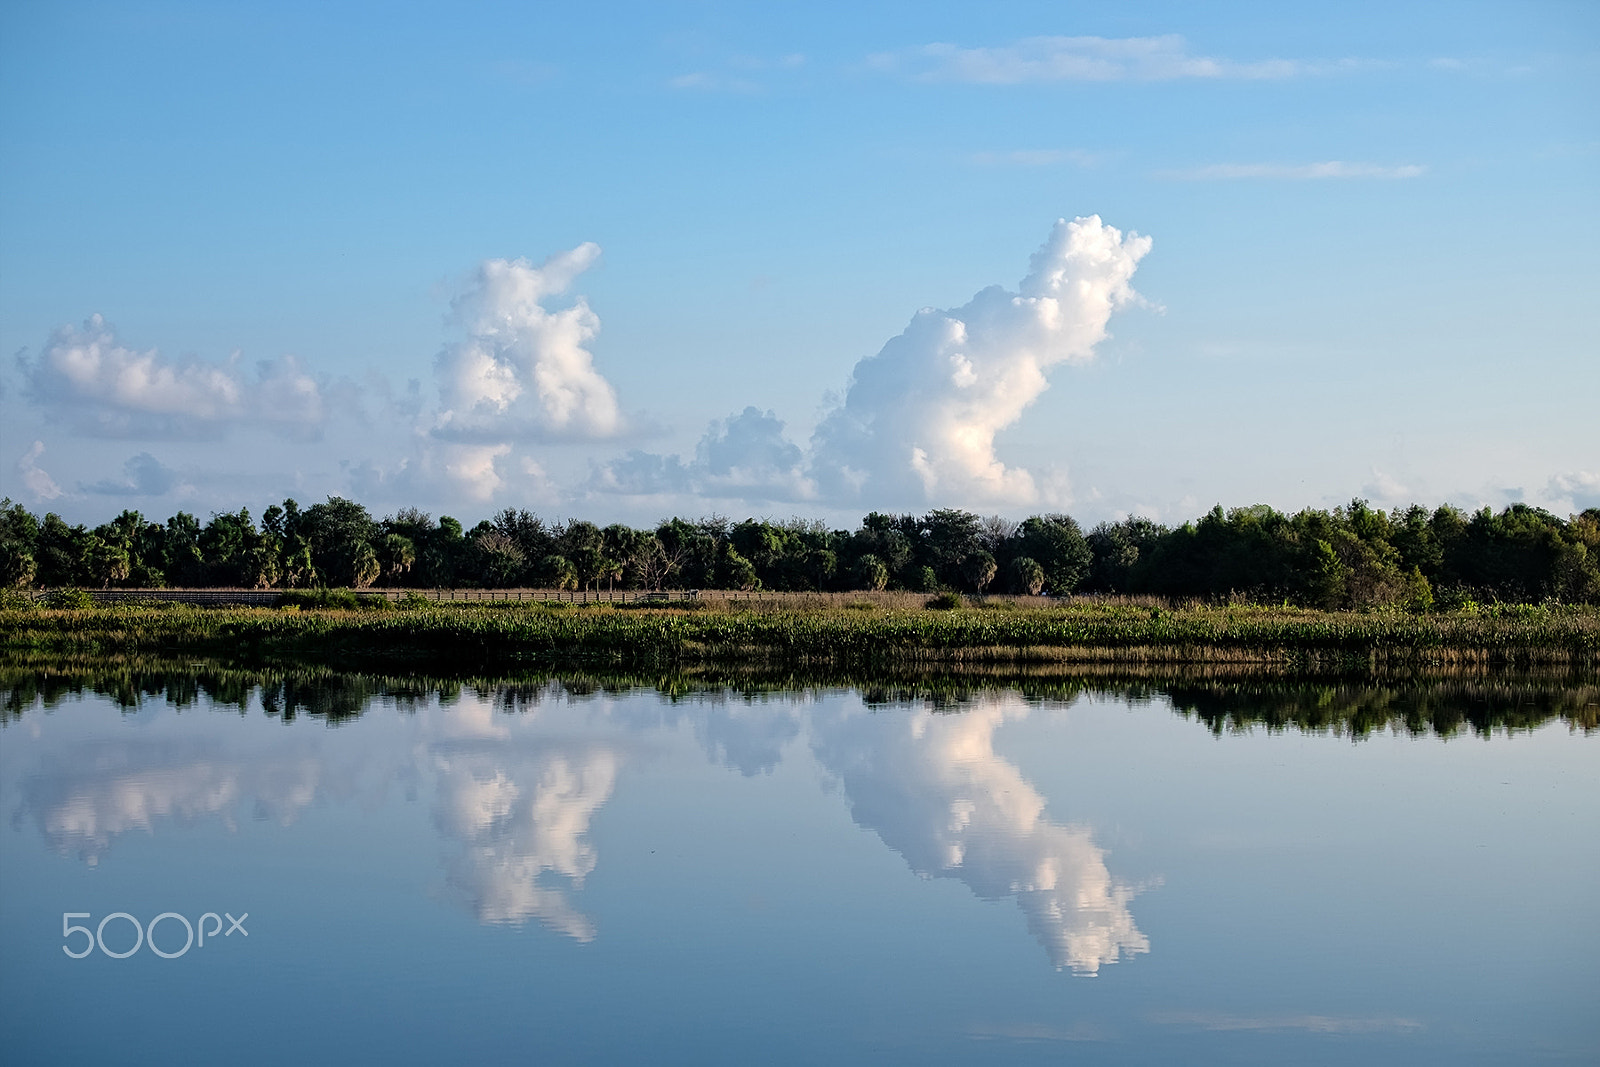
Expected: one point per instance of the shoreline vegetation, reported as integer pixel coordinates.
(864, 635)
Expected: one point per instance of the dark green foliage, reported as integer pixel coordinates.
(340, 534)
(1121, 551)
(68, 599)
(1026, 576)
(871, 574)
(1058, 546)
(1351, 558)
(19, 540)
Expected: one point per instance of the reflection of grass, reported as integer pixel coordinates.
(844, 636)
(1227, 698)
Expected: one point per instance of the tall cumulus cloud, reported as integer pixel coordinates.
(920, 417)
(524, 370)
(918, 422)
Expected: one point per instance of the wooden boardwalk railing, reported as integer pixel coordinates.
(270, 597)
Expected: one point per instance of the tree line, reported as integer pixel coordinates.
(1355, 556)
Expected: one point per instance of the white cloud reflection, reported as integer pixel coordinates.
(521, 819)
(515, 796)
(933, 788)
(84, 804)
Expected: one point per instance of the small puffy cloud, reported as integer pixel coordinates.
(114, 390)
(745, 456)
(748, 454)
(920, 418)
(286, 396)
(1297, 171)
(642, 473)
(143, 475)
(1385, 490)
(524, 370)
(467, 472)
(34, 477)
(1577, 490)
(1037, 60)
(472, 467)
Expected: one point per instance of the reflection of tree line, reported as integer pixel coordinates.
(1224, 697)
(1442, 708)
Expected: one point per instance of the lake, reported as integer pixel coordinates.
(198, 868)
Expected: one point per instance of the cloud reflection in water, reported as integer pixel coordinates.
(516, 794)
(933, 788)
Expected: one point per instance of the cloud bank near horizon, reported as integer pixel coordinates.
(107, 389)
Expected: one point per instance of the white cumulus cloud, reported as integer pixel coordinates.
(918, 422)
(524, 370)
(919, 419)
(112, 389)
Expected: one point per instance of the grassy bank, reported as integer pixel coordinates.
(855, 635)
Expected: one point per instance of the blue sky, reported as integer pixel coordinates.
(1371, 266)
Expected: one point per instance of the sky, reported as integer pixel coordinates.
(625, 261)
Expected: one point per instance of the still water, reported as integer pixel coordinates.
(556, 873)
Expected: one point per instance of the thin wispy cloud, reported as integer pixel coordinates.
(1039, 60)
(1316, 1024)
(743, 74)
(35, 478)
(1036, 157)
(1295, 171)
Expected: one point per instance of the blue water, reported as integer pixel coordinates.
(798, 878)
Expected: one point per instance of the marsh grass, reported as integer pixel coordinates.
(872, 631)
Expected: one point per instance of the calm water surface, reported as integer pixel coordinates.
(539, 875)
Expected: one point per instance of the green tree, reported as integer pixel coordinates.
(1026, 576)
(557, 572)
(19, 534)
(1057, 545)
(499, 559)
(341, 533)
(398, 556)
(733, 570)
(979, 570)
(870, 573)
